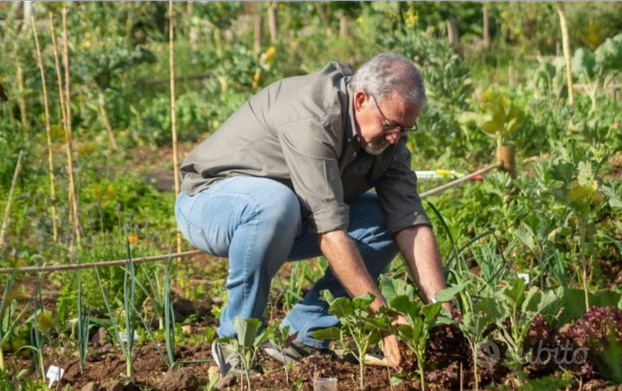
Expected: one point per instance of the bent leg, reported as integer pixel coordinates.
(377, 248)
(253, 222)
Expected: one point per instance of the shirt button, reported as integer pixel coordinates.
(354, 154)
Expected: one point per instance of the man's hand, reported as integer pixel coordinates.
(391, 350)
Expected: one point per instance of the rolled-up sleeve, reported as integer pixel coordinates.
(397, 193)
(310, 151)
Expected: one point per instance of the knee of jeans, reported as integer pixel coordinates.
(282, 210)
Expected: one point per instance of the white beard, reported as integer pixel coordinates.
(376, 147)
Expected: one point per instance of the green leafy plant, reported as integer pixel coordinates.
(129, 313)
(247, 342)
(498, 116)
(281, 339)
(415, 334)
(358, 323)
(513, 310)
(599, 68)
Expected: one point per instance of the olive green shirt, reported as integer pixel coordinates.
(300, 131)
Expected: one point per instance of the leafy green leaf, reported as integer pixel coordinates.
(615, 200)
(342, 307)
(406, 306)
(391, 287)
(363, 302)
(448, 293)
(246, 330)
(327, 334)
(584, 62)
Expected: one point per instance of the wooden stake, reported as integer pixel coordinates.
(106, 120)
(273, 22)
(47, 131)
(453, 37)
(258, 33)
(73, 192)
(173, 115)
(486, 27)
(21, 99)
(65, 103)
(506, 156)
(566, 49)
(5, 220)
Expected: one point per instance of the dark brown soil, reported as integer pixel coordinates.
(448, 367)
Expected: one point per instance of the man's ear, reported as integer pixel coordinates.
(359, 99)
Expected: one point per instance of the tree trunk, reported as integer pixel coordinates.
(273, 22)
(566, 49)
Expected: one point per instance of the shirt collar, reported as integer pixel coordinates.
(350, 123)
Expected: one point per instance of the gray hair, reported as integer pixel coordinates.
(388, 73)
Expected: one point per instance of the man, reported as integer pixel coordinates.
(286, 178)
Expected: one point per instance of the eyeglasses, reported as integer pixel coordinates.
(388, 127)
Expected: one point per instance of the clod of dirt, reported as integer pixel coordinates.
(100, 338)
(92, 386)
(179, 380)
(227, 381)
(183, 308)
(114, 385)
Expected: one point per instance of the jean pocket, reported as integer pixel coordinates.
(193, 234)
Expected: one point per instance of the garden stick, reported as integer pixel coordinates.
(5, 221)
(73, 197)
(47, 131)
(505, 161)
(21, 98)
(153, 258)
(104, 114)
(566, 50)
(458, 181)
(173, 117)
(63, 111)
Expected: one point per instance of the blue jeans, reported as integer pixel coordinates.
(257, 224)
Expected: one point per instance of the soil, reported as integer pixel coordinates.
(448, 367)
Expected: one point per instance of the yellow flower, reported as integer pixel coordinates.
(270, 55)
(132, 239)
(411, 18)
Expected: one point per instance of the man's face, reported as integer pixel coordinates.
(380, 123)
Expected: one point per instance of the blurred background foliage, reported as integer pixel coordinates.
(227, 51)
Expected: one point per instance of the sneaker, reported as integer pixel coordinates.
(229, 361)
(295, 352)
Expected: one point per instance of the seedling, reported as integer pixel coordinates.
(357, 323)
(415, 334)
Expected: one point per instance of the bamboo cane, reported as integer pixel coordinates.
(66, 116)
(566, 49)
(93, 265)
(21, 98)
(7, 210)
(73, 192)
(106, 120)
(47, 131)
(173, 115)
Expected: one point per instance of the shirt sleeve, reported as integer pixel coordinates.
(310, 151)
(397, 193)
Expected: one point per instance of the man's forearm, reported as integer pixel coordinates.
(348, 266)
(420, 250)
